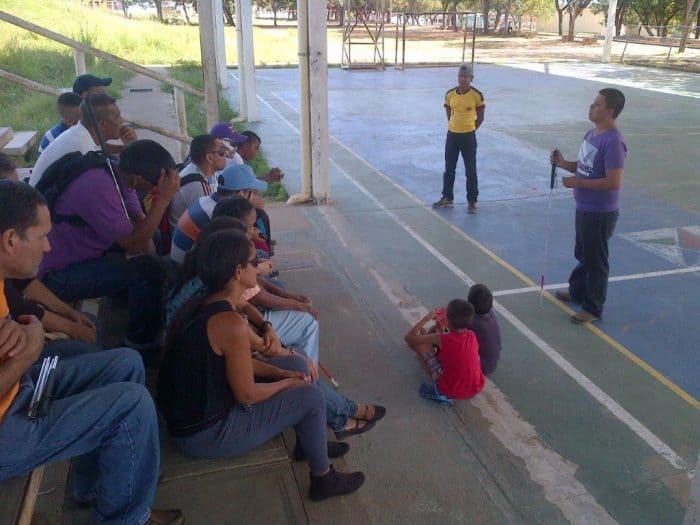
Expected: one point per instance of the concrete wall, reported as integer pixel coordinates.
(588, 22)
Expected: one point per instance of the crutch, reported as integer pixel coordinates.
(328, 375)
(552, 179)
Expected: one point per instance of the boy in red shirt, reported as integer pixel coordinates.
(451, 357)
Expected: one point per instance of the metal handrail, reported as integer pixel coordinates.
(79, 51)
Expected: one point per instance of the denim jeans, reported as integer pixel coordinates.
(245, 428)
(300, 330)
(588, 283)
(296, 328)
(108, 275)
(464, 143)
(100, 413)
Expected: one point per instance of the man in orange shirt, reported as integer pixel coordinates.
(100, 411)
(465, 108)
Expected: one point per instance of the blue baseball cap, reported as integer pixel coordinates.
(238, 177)
(84, 82)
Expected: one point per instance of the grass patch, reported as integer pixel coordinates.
(197, 125)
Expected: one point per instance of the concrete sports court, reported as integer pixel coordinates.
(580, 424)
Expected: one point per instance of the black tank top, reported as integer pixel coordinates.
(193, 391)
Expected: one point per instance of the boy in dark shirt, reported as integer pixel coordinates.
(450, 357)
(485, 326)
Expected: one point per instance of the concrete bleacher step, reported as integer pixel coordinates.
(21, 142)
(6, 135)
(345, 510)
(258, 487)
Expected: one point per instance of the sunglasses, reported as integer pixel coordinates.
(254, 262)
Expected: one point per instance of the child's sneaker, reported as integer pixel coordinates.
(430, 391)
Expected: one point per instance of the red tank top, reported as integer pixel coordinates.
(459, 356)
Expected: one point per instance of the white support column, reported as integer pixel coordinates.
(218, 13)
(609, 31)
(304, 115)
(207, 45)
(318, 98)
(248, 60)
(79, 61)
(242, 96)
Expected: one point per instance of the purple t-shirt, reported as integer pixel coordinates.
(94, 197)
(598, 153)
(489, 336)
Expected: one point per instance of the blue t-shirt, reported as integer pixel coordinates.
(598, 153)
(51, 135)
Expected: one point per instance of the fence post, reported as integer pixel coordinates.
(79, 61)
(181, 116)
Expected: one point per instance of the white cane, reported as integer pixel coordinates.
(552, 179)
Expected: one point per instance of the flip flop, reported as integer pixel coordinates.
(357, 429)
(430, 391)
(379, 412)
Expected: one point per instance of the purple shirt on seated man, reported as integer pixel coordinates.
(102, 252)
(94, 197)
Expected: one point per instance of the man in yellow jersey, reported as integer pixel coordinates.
(465, 109)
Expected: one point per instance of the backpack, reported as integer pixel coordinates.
(60, 174)
(166, 235)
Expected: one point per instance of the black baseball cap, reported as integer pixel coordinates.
(85, 82)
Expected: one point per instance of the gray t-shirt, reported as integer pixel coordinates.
(188, 194)
(489, 336)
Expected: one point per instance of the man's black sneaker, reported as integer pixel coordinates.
(444, 203)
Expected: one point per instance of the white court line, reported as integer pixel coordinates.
(589, 386)
(617, 278)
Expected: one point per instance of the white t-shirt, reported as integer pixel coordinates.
(76, 138)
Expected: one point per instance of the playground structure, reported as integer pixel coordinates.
(367, 28)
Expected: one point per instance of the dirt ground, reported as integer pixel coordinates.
(431, 45)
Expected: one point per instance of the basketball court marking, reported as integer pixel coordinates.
(661, 378)
(616, 278)
(589, 386)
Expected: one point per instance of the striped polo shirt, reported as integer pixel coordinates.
(197, 215)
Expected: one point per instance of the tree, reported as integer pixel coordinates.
(657, 13)
(228, 12)
(573, 8)
(159, 10)
(622, 13)
(687, 20)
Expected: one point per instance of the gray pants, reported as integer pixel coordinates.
(246, 428)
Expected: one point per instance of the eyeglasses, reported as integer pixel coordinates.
(219, 152)
(254, 262)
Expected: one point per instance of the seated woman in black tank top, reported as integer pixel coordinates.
(207, 387)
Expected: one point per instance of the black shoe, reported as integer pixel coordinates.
(336, 449)
(334, 483)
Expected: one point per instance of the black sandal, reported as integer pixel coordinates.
(356, 429)
(379, 412)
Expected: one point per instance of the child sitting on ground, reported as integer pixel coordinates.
(485, 326)
(451, 356)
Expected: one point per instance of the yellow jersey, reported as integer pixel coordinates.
(463, 109)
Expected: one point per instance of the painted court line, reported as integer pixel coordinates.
(616, 409)
(685, 396)
(617, 278)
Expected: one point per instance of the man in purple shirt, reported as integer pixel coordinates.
(96, 248)
(597, 181)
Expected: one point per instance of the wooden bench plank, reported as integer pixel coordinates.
(11, 497)
(22, 142)
(6, 135)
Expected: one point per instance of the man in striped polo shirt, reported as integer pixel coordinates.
(235, 178)
(465, 107)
